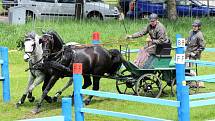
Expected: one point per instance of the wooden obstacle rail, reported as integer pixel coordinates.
(80, 110)
(203, 78)
(4, 73)
(66, 113)
(181, 78)
(137, 50)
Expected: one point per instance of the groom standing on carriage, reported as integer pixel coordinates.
(156, 41)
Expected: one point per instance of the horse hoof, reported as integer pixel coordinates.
(70, 96)
(48, 99)
(58, 93)
(54, 99)
(35, 111)
(31, 99)
(17, 105)
(87, 101)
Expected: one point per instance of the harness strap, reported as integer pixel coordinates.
(33, 64)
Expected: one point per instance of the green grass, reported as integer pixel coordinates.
(111, 32)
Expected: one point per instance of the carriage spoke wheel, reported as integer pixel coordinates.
(192, 89)
(173, 90)
(148, 85)
(126, 86)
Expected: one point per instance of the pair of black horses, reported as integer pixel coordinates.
(59, 58)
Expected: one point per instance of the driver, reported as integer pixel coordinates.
(157, 37)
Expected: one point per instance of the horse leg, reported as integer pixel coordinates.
(58, 93)
(31, 98)
(38, 80)
(87, 81)
(95, 88)
(30, 82)
(45, 84)
(50, 84)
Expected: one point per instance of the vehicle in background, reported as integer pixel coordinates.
(142, 8)
(8, 3)
(66, 8)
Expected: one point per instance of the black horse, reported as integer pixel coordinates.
(96, 61)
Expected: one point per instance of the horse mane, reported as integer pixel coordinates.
(58, 41)
(31, 34)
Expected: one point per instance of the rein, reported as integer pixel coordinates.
(33, 64)
(116, 76)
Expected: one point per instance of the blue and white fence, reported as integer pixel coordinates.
(180, 77)
(80, 110)
(204, 78)
(4, 75)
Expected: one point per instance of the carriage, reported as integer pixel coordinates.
(57, 59)
(159, 72)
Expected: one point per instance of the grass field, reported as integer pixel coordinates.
(111, 31)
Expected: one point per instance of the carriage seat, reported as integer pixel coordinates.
(161, 59)
(163, 49)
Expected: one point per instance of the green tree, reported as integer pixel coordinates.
(171, 10)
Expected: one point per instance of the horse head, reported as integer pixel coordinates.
(51, 43)
(117, 60)
(30, 45)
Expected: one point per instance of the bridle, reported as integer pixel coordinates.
(27, 52)
(34, 44)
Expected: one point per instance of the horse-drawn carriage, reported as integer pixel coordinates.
(159, 72)
(58, 59)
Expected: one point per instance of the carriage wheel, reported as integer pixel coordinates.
(173, 90)
(126, 86)
(192, 89)
(149, 85)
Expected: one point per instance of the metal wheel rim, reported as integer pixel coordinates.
(140, 81)
(126, 90)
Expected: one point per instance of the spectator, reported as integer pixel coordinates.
(195, 45)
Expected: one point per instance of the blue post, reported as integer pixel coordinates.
(5, 74)
(185, 107)
(182, 89)
(67, 109)
(77, 77)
